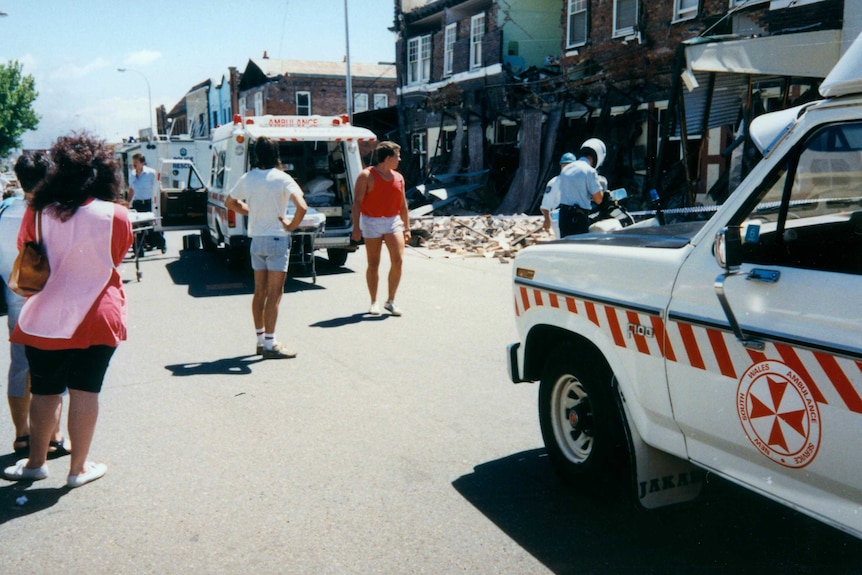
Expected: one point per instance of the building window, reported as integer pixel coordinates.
(303, 103)
(684, 9)
(419, 59)
(577, 35)
(360, 102)
(477, 30)
(258, 104)
(625, 17)
(215, 120)
(449, 48)
(241, 106)
(381, 101)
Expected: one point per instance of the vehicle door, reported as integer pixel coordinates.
(781, 411)
(182, 198)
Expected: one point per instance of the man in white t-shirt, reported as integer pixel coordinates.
(263, 194)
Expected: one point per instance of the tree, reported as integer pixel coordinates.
(17, 94)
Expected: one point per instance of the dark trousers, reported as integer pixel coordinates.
(573, 220)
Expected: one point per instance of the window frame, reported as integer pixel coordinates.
(450, 36)
(570, 14)
(477, 22)
(301, 107)
(681, 13)
(380, 101)
(360, 96)
(419, 60)
(625, 30)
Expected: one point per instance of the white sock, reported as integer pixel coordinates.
(259, 336)
(268, 341)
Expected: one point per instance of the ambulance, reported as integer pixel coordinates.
(731, 346)
(323, 155)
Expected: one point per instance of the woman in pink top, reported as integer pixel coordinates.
(72, 327)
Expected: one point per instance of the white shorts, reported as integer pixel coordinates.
(373, 228)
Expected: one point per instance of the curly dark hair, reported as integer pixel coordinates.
(84, 167)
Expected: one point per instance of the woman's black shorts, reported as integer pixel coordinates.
(52, 371)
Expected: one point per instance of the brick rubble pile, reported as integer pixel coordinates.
(482, 236)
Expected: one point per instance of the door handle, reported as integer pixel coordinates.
(765, 276)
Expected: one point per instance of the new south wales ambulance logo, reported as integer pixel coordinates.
(778, 414)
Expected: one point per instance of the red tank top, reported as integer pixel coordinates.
(385, 198)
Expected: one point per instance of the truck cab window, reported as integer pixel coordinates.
(809, 214)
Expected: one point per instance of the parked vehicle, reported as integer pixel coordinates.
(320, 152)
(731, 346)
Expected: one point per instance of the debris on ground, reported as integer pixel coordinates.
(482, 235)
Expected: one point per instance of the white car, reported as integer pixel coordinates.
(732, 345)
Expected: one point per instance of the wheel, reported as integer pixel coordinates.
(581, 425)
(337, 257)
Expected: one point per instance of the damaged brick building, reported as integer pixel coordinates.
(508, 85)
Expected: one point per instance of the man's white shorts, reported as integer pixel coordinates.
(378, 227)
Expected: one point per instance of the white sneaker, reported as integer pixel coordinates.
(92, 472)
(374, 309)
(392, 308)
(20, 472)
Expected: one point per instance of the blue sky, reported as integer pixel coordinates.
(73, 49)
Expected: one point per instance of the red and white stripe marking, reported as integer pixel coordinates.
(832, 380)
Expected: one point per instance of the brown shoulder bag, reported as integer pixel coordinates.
(30, 270)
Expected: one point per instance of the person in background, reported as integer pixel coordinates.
(551, 198)
(580, 185)
(380, 216)
(73, 326)
(30, 169)
(143, 186)
(263, 194)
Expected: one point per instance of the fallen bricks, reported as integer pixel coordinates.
(487, 236)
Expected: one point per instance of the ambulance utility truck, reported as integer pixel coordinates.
(322, 153)
(731, 346)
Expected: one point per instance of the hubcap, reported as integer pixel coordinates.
(572, 419)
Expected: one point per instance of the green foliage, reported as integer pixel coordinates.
(17, 94)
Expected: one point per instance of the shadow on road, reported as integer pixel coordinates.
(240, 365)
(19, 499)
(208, 275)
(349, 319)
(729, 530)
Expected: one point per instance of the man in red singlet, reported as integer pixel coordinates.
(380, 216)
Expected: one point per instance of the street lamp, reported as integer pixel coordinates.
(149, 97)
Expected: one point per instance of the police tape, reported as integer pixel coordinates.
(675, 211)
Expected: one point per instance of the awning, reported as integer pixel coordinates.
(803, 54)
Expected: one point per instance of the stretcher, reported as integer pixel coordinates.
(142, 222)
(302, 245)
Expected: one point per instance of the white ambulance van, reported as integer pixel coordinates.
(322, 153)
(731, 346)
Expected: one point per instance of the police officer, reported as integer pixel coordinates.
(551, 199)
(580, 184)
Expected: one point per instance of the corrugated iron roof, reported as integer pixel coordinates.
(274, 67)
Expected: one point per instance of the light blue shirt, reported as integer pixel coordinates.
(578, 182)
(144, 185)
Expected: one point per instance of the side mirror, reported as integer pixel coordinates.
(728, 248)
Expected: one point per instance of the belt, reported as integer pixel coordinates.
(575, 208)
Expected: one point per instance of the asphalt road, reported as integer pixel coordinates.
(390, 445)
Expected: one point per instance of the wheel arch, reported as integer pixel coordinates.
(543, 339)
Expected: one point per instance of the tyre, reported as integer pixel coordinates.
(581, 424)
(337, 257)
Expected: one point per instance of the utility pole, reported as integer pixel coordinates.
(349, 84)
